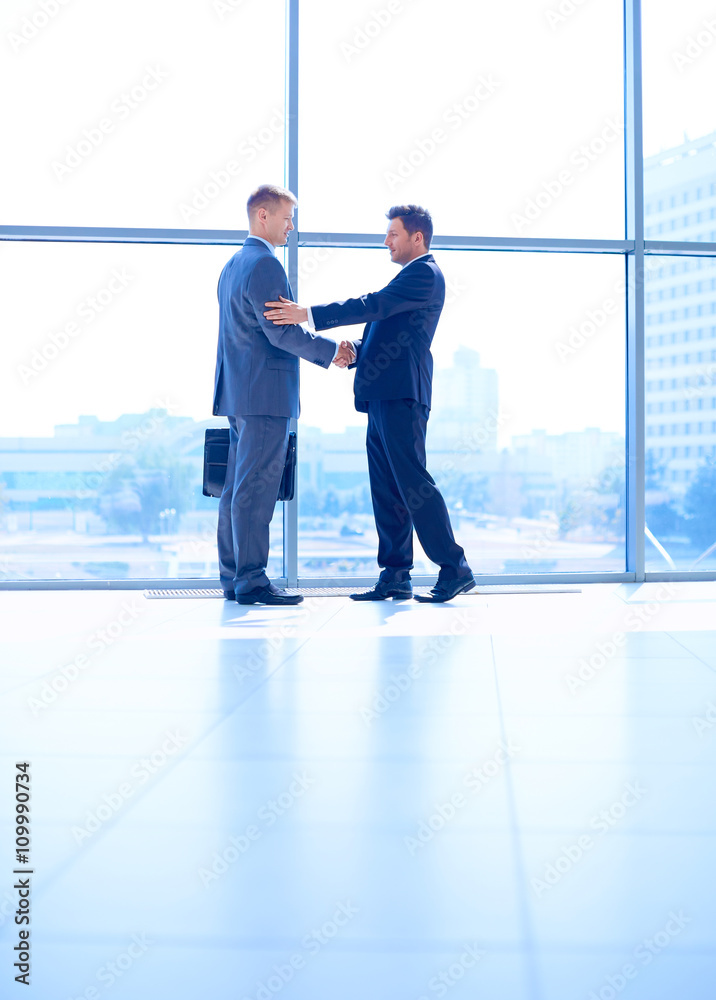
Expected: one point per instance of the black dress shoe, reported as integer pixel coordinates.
(446, 590)
(268, 595)
(402, 591)
(229, 595)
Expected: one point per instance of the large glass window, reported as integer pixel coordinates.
(526, 433)
(106, 390)
(679, 52)
(504, 119)
(127, 113)
(680, 403)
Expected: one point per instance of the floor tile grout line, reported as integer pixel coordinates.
(321, 627)
(67, 865)
(290, 656)
(534, 985)
(362, 945)
(403, 946)
(669, 633)
(615, 762)
(617, 592)
(53, 670)
(693, 655)
(467, 832)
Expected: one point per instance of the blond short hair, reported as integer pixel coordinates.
(269, 196)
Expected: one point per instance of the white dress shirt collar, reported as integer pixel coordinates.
(426, 254)
(271, 247)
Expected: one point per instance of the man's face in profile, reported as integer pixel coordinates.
(400, 243)
(279, 223)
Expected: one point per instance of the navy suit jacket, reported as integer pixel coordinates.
(256, 361)
(393, 359)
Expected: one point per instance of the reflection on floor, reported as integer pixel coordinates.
(508, 796)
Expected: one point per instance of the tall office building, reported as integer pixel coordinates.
(680, 348)
(465, 405)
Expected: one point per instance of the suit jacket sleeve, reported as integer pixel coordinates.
(268, 281)
(410, 289)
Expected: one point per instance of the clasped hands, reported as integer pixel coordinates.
(286, 313)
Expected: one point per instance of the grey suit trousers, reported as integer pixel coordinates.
(257, 453)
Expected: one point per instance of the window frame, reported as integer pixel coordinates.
(634, 249)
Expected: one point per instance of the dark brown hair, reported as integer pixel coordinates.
(415, 219)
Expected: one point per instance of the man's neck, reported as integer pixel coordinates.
(259, 236)
(422, 253)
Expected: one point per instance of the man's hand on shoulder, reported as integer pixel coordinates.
(285, 312)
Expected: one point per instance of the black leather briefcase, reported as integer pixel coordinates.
(216, 454)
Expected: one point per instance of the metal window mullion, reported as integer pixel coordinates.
(634, 205)
(121, 234)
(290, 508)
(679, 249)
(471, 242)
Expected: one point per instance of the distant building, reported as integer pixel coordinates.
(465, 405)
(463, 420)
(680, 346)
(332, 460)
(72, 465)
(576, 458)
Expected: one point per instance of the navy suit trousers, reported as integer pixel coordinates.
(404, 493)
(257, 455)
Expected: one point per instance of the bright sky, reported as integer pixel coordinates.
(522, 106)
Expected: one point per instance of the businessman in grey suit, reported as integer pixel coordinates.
(256, 387)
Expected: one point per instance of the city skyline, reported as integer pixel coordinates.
(124, 498)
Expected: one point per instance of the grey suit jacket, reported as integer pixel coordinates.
(256, 361)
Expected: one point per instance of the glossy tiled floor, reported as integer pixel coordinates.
(504, 797)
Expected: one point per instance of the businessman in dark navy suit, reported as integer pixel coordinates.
(393, 385)
(256, 387)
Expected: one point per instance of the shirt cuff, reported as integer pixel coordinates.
(309, 322)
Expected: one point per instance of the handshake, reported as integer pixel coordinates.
(286, 313)
(346, 355)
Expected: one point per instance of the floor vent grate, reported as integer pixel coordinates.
(178, 593)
